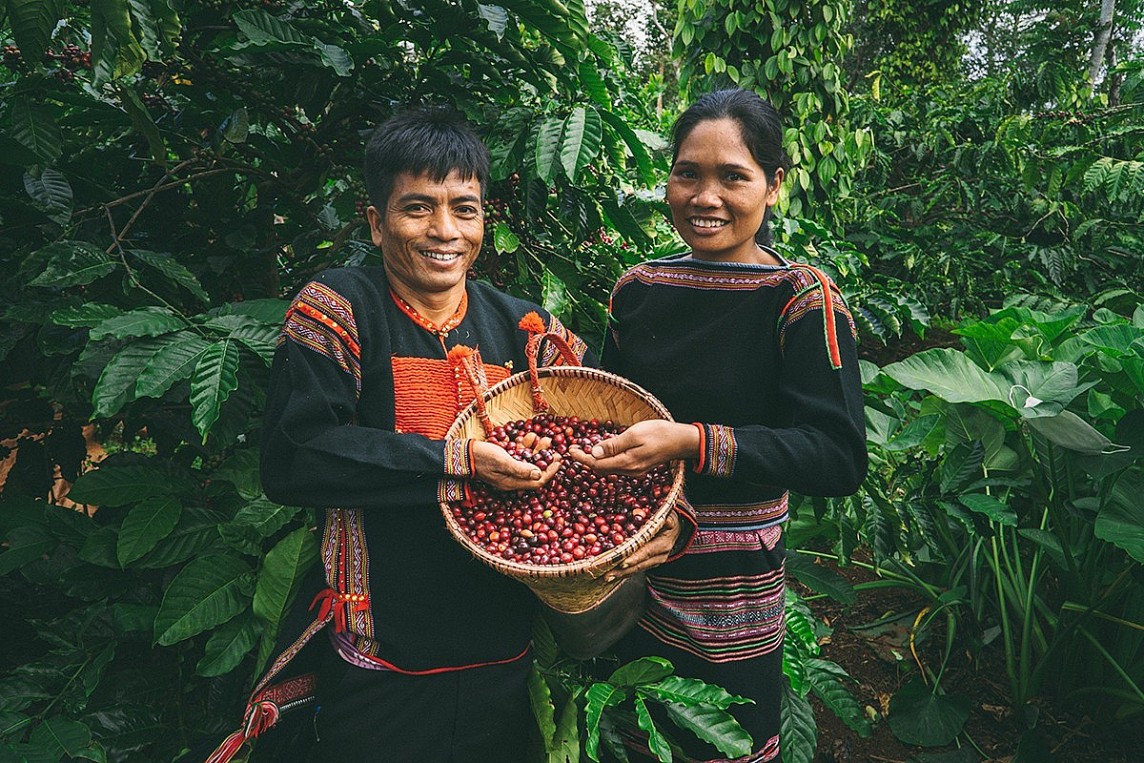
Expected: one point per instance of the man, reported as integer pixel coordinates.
(425, 656)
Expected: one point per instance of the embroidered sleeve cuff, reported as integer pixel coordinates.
(687, 532)
(459, 458)
(453, 491)
(717, 450)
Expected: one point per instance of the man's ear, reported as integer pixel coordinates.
(375, 218)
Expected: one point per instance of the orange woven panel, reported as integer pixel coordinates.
(428, 395)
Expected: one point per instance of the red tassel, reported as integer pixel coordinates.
(339, 605)
(226, 751)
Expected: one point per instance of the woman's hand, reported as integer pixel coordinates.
(640, 447)
(494, 465)
(653, 553)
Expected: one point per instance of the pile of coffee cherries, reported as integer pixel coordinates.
(577, 514)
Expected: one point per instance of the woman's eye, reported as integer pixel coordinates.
(735, 177)
(685, 174)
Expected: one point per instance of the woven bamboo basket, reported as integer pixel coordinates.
(569, 390)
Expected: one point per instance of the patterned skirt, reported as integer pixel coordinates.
(717, 614)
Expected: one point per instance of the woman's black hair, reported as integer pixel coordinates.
(761, 128)
(432, 140)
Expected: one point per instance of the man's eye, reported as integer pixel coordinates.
(467, 211)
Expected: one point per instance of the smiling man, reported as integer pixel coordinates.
(423, 651)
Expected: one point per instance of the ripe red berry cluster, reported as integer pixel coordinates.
(577, 514)
(13, 58)
(72, 57)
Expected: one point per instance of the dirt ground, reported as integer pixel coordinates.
(870, 641)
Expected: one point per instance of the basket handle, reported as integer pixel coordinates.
(532, 352)
(468, 360)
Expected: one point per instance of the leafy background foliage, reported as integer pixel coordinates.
(173, 172)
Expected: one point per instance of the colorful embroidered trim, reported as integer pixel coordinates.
(722, 541)
(720, 619)
(459, 457)
(550, 354)
(346, 560)
(452, 490)
(742, 516)
(815, 291)
(697, 277)
(323, 320)
(717, 449)
(440, 331)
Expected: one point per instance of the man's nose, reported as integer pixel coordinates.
(443, 225)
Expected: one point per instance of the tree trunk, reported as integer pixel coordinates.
(1103, 33)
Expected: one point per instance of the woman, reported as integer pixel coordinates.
(760, 353)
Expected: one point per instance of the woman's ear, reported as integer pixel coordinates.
(773, 187)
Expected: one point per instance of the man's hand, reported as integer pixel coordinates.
(641, 447)
(493, 464)
(653, 553)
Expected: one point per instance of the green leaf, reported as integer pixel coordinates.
(598, 697)
(504, 240)
(33, 127)
(263, 516)
(656, 741)
(542, 708)
(593, 84)
(992, 508)
(215, 377)
(196, 533)
(33, 22)
(227, 646)
(145, 525)
(1070, 431)
(269, 311)
(112, 485)
(207, 592)
(548, 148)
(583, 134)
(72, 263)
(919, 715)
(174, 362)
(51, 193)
(173, 271)
(821, 579)
(61, 737)
(146, 321)
(566, 742)
(950, 375)
(962, 466)
(115, 50)
(692, 691)
(718, 727)
(496, 17)
(335, 58)
(826, 681)
(798, 730)
(639, 152)
(1121, 519)
(282, 571)
(143, 123)
(116, 385)
(554, 293)
(25, 545)
(645, 670)
(259, 338)
(87, 314)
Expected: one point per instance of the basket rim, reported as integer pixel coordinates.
(601, 563)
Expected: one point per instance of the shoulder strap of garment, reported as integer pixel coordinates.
(830, 328)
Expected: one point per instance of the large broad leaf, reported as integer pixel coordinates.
(950, 375)
(72, 263)
(207, 592)
(718, 727)
(826, 680)
(263, 517)
(269, 311)
(173, 271)
(991, 344)
(554, 293)
(962, 466)
(33, 127)
(566, 742)
(227, 646)
(639, 152)
(112, 485)
(61, 737)
(821, 579)
(174, 362)
(543, 710)
(656, 741)
(51, 192)
(215, 377)
(692, 691)
(504, 240)
(146, 321)
(261, 27)
(145, 525)
(116, 385)
(25, 545)
(259, 338)
(1121, 520)
(598, 697)
(918, 715)
(142, 122)
(1043, 389)
(281, 572)
(548, 148)
(583, 133)
(1114, 340)
(196, 533)
(33, 22)
(115, 50)
(645, 670)
(1068, 430)
(990, 507)
(798, 730)
(87, 314)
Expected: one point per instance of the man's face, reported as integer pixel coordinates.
(430, 233)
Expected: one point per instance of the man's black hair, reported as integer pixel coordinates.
(433, 140)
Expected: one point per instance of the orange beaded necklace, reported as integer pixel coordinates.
(441, 331)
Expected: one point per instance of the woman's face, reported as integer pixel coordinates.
(718, 193)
